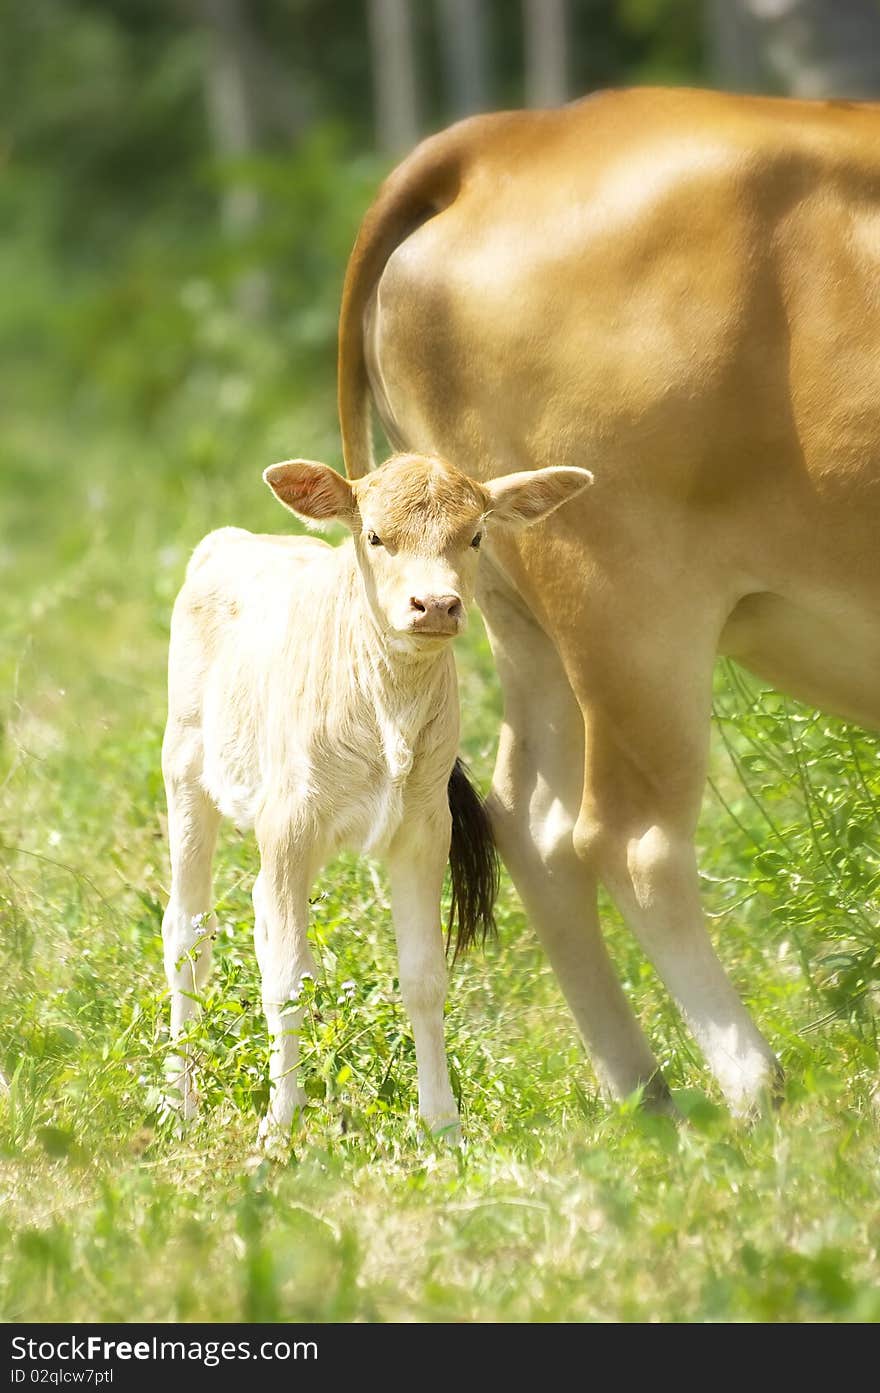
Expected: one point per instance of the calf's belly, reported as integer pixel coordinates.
(333, 806)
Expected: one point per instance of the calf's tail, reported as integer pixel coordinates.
(473, 865)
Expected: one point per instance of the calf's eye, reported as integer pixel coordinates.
(373, 540)
(477, 540)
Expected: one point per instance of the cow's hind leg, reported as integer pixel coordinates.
(189, 924)
(645, 691)
(535, 802)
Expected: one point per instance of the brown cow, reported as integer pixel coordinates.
(681, 291)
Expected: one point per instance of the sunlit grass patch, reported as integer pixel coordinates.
(558, 1206)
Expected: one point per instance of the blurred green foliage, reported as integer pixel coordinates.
(120, 281)
(138, 406)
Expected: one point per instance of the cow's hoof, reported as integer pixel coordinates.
(761, 1099)
(657, 1099)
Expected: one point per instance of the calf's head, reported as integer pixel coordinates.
(418, 524)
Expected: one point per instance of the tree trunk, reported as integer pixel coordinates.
(234, 122)
(463, 37)
(806, 48)
(546, 52)
(734, 60)
(394, 76)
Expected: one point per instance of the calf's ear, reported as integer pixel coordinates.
(519, 499)
(313, 491)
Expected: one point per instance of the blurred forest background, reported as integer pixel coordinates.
(180, 185)
(182, 179)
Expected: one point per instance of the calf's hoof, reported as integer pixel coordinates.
(273, 1143)
(445, 1129)
(273, 1137)
(180, 1101)
(180, 1112)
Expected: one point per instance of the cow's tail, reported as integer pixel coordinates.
(419, 188)
(473, 865)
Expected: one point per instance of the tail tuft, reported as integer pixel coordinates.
(473, 865)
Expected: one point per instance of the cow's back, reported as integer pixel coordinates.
(680, 290)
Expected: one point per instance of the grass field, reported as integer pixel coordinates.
(559, 1206)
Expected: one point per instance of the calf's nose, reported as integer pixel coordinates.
(435, 611)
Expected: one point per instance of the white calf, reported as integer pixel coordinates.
(312, 695)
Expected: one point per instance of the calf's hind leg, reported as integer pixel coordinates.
(416, 864)
(188, 925)
(281, 910)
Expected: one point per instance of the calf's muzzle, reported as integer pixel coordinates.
(435, 614)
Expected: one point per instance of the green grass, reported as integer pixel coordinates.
(559, 1206)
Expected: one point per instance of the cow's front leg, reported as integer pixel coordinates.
(416, 863)
(536, 796)
(646, 700)
(281, 914)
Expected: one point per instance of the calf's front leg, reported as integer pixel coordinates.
(281, 914)
(188, 924)
(416, 864)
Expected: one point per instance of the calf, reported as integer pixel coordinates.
(312, 695)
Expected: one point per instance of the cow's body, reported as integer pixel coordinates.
(681, 292)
